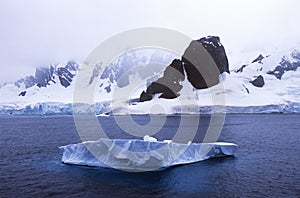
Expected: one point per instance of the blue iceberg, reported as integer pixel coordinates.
(141, 155)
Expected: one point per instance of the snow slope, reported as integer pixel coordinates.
(279, 91)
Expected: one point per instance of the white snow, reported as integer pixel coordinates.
(275, 96)
(149, 138)
(139, 155)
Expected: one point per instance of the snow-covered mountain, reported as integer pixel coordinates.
(43, 86)
(265, 82)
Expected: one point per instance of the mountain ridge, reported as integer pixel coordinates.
(267, 79)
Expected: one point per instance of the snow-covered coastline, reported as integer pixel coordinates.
(52, 109)
(267, 82)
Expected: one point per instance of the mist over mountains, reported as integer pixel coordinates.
(267, 79)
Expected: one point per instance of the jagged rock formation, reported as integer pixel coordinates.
(280, 92)
(23, 93)
(258, 82)
(286, 65)
(168, 85)
(199, 66)
(258, 59)
(65, 76)
(129, 64)
(241, 69)
(200, 69)
(44, 75)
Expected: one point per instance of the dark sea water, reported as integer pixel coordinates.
(267, 162)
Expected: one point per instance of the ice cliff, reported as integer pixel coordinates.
(141, 155)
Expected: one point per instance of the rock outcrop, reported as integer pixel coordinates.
(202, 62)
(44, 75)
(23, 93)
(258, 81)
(241, 69)
(168, 85)
(286, 65)
(258, 59)
(203, 67)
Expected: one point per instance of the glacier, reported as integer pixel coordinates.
(100, 109)
(52, 108)
(141, 155)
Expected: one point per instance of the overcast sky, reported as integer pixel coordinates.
(39, 32)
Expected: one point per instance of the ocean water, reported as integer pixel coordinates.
(266, 162)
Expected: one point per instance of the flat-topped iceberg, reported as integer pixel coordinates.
(141, 155)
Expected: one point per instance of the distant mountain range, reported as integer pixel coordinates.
(269, 80)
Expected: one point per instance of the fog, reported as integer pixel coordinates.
(38, 33)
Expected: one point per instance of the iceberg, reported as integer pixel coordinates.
(141, 155)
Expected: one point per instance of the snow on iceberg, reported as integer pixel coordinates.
(140, 155)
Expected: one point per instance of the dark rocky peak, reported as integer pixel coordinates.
(286, 65)
(241, 68)
(217, 51)
(23, 93)
(116, 70)
(200, 66)
(258, 59)
(210, 41)
(174, 72)
(168, 85)
(132, 63)
(67, 73)
(258, 81)
(96, 72)
(123, 64)
(65, 76)
(43, 75)
(203, 61)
